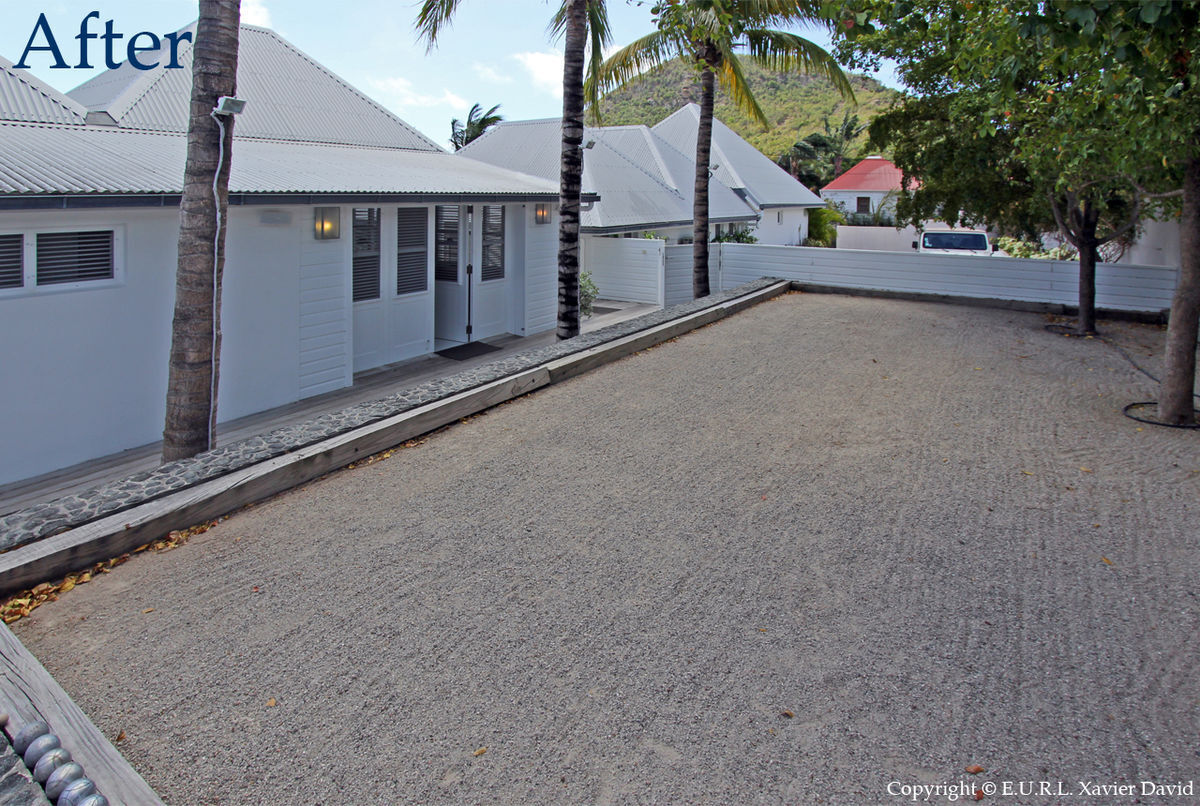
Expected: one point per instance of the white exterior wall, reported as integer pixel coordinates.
(877, 239)
(782, 226)
(1118, 287)
(541, 272)
(848, 199)
(625, 269)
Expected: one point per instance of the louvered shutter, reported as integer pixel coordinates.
(12, 261)
(493, 242)
(74, 257)
(366, 253)
(445, 266)
(412, 250)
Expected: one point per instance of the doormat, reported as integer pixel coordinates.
(464, 351)
(596, 310)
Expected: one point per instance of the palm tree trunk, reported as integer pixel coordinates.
(1175, 396)
(571, 169)
(196, 332)
(700, 202)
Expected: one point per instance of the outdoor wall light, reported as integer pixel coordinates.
(541, 214)
(327, 223)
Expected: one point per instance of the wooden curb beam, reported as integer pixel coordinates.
(116, 534)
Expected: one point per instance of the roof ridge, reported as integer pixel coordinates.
(669, 188)
(42, 88)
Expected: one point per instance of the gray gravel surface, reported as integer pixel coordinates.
(822, 547)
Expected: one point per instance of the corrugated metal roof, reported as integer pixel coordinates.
(289, 97)
(873, 173)
(641, 181)
(739, 164)
(55, 159)
(25, 98)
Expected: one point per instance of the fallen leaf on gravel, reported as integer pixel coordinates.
(480, 752)
(975, 769)
(787, 715)
(121, 736)
(1107, 561)
(1026, 472)
(148, 610)
(271, 703)
(978, 794)
(1086, 469)
(68, 584)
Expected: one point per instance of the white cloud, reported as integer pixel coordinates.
(400, 94)
(255, 12)
(545, 70)
(489, 73)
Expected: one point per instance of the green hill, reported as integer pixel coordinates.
(794, 104)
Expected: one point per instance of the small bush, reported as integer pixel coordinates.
(588, 292)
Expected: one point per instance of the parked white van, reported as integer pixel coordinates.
(954, 242)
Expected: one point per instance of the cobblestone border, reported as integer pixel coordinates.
(43, 520)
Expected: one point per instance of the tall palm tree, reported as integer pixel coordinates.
(477, 123)
(191, 421)
(710, 34)
(581, 23)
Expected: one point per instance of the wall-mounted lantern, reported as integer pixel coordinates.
(541, 214)
(327, 223)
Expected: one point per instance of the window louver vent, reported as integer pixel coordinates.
(12, 261)
(74, 257)
(412, 250)
(493, 243)
(366, 254)
(445, 265)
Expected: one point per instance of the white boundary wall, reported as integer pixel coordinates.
(1118, 287)
(626, 269)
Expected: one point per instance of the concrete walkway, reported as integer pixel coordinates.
(814, 553)
(370, 385)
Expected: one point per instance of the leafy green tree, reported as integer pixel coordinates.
(582, 24)
(1024, 159)
(713, 36)
(191, 421)
(820, 157)
(477, 123)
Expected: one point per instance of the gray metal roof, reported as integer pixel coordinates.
(289, 97)
(642, 182)
(69, 160)
(739, 164)
(25, 98)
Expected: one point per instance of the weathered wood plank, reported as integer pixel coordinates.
(28, 693)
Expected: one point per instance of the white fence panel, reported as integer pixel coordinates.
(1134, 288)
(626, 269)
(679, 274)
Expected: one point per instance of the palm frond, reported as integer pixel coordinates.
(630, 62)
(787, 52)
(433, 18)
(734, 81)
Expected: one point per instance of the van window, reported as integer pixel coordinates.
(954, 240)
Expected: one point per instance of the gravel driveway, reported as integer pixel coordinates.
(825, 551)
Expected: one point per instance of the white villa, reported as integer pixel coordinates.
(349, 239)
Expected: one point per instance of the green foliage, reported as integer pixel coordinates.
(588, 292)
(477, 123)
(796, 105)
(737, 236)
(1017, 247)
(822, 225)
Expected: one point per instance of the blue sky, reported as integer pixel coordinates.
(496, 52)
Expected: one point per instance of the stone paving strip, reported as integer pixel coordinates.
(42, 520)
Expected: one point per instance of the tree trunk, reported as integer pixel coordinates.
(1088, 248)
(196, 331)
(571, 170)
(700, 202)
(1175, 395)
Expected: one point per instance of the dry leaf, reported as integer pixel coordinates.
(1106, 561)
(68, 584)
(148, 610)
(121, 736)
(271, 703)
(787, 715)
(1026, 472)
(975, 769)
(480, 752)
(978, 794)
(1085, 469)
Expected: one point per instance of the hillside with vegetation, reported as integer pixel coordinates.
(795, 105)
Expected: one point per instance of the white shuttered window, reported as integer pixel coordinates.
(12, 261)
(74, 257)
(412, 250)
(366, 253)
(493, 242)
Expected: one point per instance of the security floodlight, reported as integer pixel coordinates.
(228, 105)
